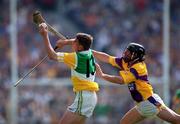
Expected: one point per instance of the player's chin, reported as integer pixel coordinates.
(126, 59)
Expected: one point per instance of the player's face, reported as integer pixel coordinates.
(76, 46)
(127, 56)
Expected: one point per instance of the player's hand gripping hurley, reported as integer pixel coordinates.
(38, 19)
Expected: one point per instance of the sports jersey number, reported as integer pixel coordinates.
(90, 63)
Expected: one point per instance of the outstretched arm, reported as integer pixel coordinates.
(62, 43)
(107, 77)
(44, 33)
(101, 56)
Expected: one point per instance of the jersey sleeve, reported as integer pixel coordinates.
(127, 76)
(115, 61)
(68, 58)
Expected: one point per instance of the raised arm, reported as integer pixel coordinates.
(44, 33)
(61, 43)
(107, 77)
(101, 56)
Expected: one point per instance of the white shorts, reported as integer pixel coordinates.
(147, 108)
(84, 103)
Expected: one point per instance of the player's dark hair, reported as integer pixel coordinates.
(85, 40)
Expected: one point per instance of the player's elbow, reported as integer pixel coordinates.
(115, 79)
(118, 80)
(51, 57)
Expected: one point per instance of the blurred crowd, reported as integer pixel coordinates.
(112, 23)
(44, 105)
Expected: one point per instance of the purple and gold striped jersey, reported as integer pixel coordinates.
(136, 77)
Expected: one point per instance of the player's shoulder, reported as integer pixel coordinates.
(70, 53)
(140, 67)
(66, 54)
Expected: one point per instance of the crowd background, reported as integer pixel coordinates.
(113, 24)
